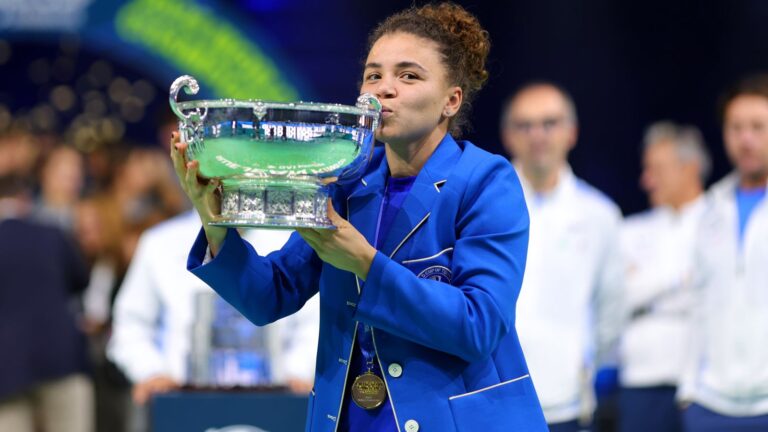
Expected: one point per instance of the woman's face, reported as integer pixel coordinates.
(407, 75)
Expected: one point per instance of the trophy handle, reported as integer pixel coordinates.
(368, 101)
(190, 86)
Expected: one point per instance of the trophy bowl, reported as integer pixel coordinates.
(275, 161)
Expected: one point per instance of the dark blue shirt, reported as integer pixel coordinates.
(381, 419)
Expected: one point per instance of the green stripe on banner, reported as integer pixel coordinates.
(200, 43)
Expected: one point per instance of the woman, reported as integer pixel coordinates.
(419, 282)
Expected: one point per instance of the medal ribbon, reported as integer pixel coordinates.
(364, 336)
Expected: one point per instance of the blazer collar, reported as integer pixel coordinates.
(364, 203)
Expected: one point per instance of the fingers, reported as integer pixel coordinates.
(178, 150)
(188, 171)
(318, 240)
(310, 236)
(175, 137)
(190, 178)
(175, 141)
(211, 187)
(333, 216)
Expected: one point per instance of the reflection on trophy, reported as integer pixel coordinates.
(275, 161)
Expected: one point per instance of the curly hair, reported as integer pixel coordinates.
(462, 41)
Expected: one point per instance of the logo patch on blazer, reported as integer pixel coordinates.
(437, 273)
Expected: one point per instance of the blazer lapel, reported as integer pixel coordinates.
(364, 203)
(425, 190)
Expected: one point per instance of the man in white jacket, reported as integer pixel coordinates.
(658, 247)
(155, 310)
(569, 308)
(725, 381)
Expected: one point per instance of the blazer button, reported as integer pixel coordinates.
(412, 426)
(395, 370)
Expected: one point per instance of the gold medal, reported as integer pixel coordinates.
(368, 391)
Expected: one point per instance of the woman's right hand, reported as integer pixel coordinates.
(202, 192)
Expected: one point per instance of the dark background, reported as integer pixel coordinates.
(626, 63)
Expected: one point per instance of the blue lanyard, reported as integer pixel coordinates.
(364, 335)
(381, 213)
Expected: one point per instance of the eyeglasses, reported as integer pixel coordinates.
(547, 124)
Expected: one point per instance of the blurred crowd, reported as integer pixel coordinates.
(101, 201)
(127, 321)
(651, 322)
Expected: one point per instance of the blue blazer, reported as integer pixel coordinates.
(440, 295)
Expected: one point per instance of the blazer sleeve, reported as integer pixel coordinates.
(263, 288)
(469, 317)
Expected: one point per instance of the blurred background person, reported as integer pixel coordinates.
(44, 381)
(657, 247)
(725, 380)
(158, 308)
(19, 154)
(568, 314)
(130, 193)
(144, 187)
(62, 181)
(100, 230)
(101, 233)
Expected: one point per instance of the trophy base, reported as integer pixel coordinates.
(278, 206)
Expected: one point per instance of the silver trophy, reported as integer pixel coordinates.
(275, 161)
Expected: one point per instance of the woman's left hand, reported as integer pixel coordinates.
(344, 247)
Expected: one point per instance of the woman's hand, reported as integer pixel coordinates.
(202, 192)
(344, 247)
